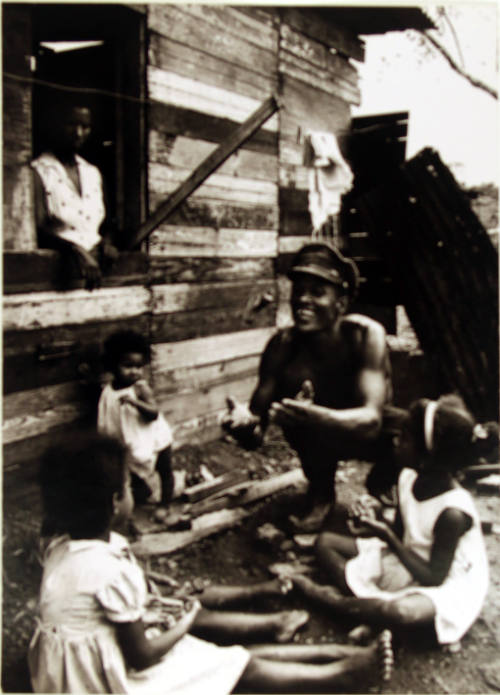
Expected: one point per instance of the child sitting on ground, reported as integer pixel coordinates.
(128, 411)
(431, 568)
(92, 638)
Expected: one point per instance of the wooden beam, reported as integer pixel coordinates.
(311, 22)
(208, 524)
(209, 165)
(211, 487)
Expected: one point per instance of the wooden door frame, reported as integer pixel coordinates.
(125, 29)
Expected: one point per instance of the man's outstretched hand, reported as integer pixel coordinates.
(299, 410)
(238, 416)
(242, 424)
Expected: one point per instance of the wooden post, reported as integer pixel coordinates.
(207, 167)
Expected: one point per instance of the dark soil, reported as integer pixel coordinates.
(234, 556)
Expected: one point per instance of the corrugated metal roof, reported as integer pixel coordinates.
(376, 20)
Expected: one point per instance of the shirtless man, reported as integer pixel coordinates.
(325, 380)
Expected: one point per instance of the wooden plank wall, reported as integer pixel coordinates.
(48, 335)
(18, 231)
(213, 286)
(207, 292)
(318, 86)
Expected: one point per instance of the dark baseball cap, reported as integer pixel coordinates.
(326, 262)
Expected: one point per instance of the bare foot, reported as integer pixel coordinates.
(283, 584)
(379, 652)
(319, 592)
(360, 634)
(385, 655)
(313, 521)
(288, 624)
(286, 570)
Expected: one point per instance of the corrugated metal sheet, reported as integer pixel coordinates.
(446, 267)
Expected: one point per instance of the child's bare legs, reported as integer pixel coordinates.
(412, 610)
(229, 596)
(140, 489)
(224, 625)
(306, 653)
(333, 550)
(164, 468)
(292, 668)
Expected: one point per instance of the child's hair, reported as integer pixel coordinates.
(448, 432)
(78, 479)
(121, 343)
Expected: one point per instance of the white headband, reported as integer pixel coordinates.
(430, 412)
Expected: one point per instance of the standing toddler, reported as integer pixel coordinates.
(128, 411)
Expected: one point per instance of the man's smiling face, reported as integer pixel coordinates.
(314, 303)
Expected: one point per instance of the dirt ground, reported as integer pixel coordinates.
(235, 556)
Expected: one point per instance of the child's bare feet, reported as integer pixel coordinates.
(285, 584)
(289, 569)
(288, 622)
(313, 521)
(377, 654)
(318, 592)
(385, 654)
(360, 634)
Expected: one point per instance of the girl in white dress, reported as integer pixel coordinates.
(128, 411)
(92, 634)
(431, 567)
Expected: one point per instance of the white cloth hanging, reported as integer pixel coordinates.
(329, 177)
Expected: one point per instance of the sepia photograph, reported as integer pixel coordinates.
(250, 348)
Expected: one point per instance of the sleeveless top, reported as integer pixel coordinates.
(143, 439)
(376, 572)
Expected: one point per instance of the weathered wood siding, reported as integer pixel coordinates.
(209, 288)
(18, 230)
(318, 85)
(214, 295)
(48, 335)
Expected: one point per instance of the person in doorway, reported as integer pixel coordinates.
(430, 568)
(95, 608)
(70, 211)
(325, 380)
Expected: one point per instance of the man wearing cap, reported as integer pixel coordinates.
(325, 380)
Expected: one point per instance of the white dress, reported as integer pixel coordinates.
(81, 215)
(87, 587)
(143, 439)
(376, 572)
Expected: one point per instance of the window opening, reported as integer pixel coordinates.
(94, 54)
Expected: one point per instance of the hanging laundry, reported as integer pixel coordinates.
(329, 177)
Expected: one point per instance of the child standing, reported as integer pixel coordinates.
(91, 635)
(127, 411)
(431, 568)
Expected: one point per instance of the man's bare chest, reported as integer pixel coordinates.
(332, 375)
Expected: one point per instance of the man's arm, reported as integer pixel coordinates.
(363, 421)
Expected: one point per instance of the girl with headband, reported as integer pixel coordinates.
(430, 567)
